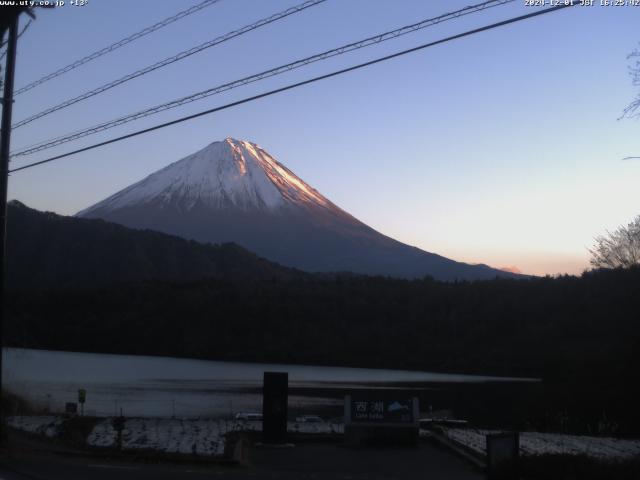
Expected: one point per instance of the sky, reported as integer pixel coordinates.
(504, 147)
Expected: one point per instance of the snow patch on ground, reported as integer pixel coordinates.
(103, 435)
(188, 436)
(47, 425)
(169, 435)
(535, 443)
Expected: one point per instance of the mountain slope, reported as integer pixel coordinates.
(46, 250)
(234, 191)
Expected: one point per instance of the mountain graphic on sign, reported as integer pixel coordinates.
(395, 406)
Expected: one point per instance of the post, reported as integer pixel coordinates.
(274, 407)
(503, 455)
(82, 397)
(5, 145)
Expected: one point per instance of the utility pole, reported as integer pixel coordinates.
(5, 145)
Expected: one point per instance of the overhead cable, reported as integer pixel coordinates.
(259, 76)
(116, 45)
(167, 61)
(298, 84)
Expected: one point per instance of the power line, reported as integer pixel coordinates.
(167, 61)
(299, 84)
(118, 44)
(44, 145)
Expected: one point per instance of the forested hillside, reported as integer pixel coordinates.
(46, 250)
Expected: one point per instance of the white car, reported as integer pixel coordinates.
(309, 419)
(251, 417)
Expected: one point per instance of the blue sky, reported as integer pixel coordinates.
(502, 148)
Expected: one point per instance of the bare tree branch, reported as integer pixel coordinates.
(633, 109)
(620, 248)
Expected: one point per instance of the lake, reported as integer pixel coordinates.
(161, 386)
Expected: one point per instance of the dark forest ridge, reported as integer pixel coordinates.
(46, 250)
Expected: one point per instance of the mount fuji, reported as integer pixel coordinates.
(234, 191)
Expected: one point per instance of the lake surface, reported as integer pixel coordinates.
(161, 386)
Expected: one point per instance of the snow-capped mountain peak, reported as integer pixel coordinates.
(228, 173)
